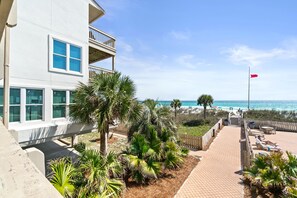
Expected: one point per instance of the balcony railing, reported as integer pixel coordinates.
(101, 37)
(97, 70)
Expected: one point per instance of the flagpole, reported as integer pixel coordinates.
(249, 87)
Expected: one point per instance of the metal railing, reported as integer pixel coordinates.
(101, 37)
(97, 70)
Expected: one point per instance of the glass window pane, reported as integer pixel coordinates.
(59, 111)
(1, 96)
(14, 113)
(34, 96)
(72, 95)
(59, 47)
(1, 111)
(75, 52)
(59, 97)
(15, 96)
(74, 65)
(34, 112)
(59, 62)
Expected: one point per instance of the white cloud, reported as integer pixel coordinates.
(243, 54)
(125, 47)
(189, 61)
(178, 35)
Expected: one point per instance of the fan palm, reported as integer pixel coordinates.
(175, 103)
(141, 159)
(99, 174)
(153, 115)
(205, 100)
(62, 177)
(106, 98)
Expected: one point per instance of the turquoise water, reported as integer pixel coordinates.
(280, 105)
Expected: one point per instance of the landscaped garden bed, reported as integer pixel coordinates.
(165, 186)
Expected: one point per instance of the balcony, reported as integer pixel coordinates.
(97, 70)
(101, 45)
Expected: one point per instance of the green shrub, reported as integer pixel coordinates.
(80, 147)
(197, 122)
(271, 115)
(274, 173)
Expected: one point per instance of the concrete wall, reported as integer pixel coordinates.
(37, 157)
(19, 177)
(207, 136)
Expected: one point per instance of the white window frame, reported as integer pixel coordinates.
(52, 103)
(14, 105)
(43, 101)
(68, 43)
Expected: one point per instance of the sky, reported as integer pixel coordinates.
(182, 49)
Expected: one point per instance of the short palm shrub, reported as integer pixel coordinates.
(149, 154)
(95, 175)
(62, 178)
(274, 173)
(80, 147)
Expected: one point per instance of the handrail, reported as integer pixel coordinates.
(101, 37)
(99, 69)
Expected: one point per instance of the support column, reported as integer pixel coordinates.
(113, 63)
(74, 140)
(6, 78)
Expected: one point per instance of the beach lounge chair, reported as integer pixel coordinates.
(267, 142)
(261, 145)
(253, 132)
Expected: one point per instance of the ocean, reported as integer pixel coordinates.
(279, 105)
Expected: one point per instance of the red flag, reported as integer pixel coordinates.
(254, 75)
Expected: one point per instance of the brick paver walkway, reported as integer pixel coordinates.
(216, 175)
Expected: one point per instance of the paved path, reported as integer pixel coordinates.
(216, 174)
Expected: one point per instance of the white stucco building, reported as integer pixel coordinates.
(52, 48)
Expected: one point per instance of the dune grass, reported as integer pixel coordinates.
(193, 130)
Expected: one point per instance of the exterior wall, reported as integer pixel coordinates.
(38, 21)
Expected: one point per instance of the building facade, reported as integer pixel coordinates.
(52, 49)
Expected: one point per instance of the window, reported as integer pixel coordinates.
(34, 104)
(66, 57)
(72, 94)
(14, 107)
(75, 58)
(59, 55)
(59, 104)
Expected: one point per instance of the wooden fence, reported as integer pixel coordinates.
(200, 143)
(279, 126)
(190, 141)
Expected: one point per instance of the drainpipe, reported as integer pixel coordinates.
(6, 77)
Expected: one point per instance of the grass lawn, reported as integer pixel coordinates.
(195, 131)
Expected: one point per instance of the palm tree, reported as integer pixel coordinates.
(205, 100)
(153, 115)
(106, 98)
(175, 103)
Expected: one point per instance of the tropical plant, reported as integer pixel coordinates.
(98, 174)
(153, 116)
(62, 178)
(80, 147)
(274, 173)
(205, 100)
(106, 98)
(147, 153)
(175, 104)
(141, 160)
